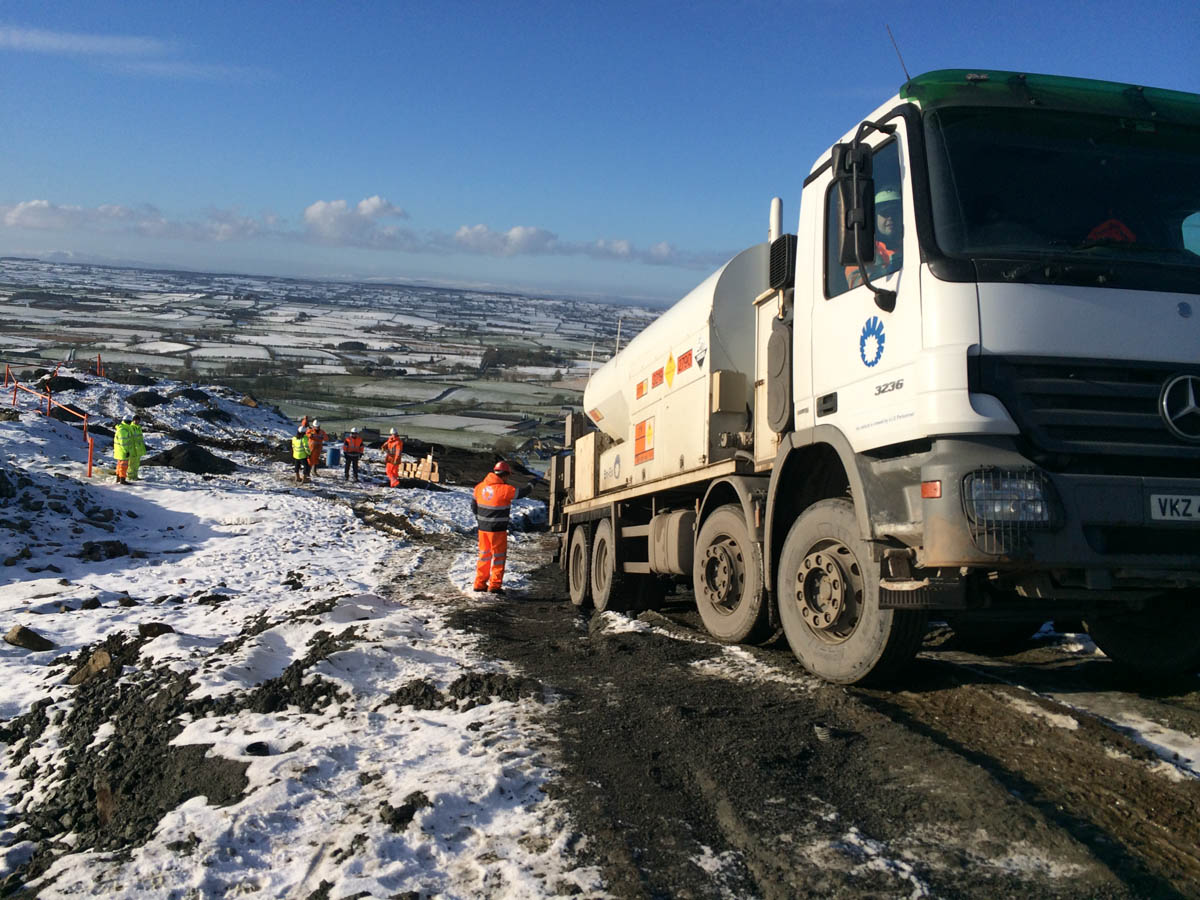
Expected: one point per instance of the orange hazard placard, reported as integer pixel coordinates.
(643, 441)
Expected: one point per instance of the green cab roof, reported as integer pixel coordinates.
(983, 87)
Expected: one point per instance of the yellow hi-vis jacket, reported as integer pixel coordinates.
(123, 440)
(300, 447)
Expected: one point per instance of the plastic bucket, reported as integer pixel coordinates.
(333, 456)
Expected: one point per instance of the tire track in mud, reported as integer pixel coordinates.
(1138, 813)
(769, 783)
(694, 776)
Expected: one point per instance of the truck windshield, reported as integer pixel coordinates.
(1038, 183)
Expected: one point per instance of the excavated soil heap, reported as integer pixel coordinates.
(191, 458)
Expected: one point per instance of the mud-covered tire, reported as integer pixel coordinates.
(579, 568)
(607, 583)
(727, 578)
(1161, 640)
(826, 576)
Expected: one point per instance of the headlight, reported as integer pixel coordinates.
(1016, 496)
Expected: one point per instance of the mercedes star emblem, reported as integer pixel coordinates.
(1179, 408)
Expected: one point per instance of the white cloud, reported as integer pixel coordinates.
(336, 223)
(35, 40)
(124, 54)
(518, 240)
(147, 221)
(189, 71)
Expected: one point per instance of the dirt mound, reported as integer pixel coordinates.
(72, 413)
(143, 399)
(56, 384)
(134, 378)
(192, 458)
(216, 416)
(191, 394)
(469, 690)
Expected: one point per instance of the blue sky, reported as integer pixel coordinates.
(613, 149)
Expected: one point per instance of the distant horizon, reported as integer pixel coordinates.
(623, 151)
(379, 281)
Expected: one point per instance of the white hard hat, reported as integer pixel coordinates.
(887, 196)
(354, 431)
(316, 423)
(392, 432)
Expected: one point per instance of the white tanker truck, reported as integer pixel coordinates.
(980, 400)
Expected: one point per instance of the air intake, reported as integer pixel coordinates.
(781, 270)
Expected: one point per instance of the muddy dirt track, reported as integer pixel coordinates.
(694, 771)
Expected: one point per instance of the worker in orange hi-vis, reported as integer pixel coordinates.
(393, 453)
(491, 503)
(317, 436)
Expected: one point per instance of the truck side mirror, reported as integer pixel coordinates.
(856, 189)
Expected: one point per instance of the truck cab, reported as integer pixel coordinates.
(975, 384)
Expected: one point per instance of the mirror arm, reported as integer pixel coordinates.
(884, 299)
(866, 128)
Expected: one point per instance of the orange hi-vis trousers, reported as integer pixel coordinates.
(493, 552)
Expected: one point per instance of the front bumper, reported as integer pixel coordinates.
(1098, 523)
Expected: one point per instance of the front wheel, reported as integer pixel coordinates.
(828, 592)
(727, 578)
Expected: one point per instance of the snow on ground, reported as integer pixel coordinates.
(393, 766)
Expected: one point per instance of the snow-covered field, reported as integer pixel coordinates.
(354, 742)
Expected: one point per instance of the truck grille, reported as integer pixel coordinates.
(1090, 417)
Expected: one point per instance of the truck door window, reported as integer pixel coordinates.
(889, 226)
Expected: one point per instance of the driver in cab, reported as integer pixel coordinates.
(889, 230)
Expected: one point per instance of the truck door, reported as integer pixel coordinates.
(863, 358)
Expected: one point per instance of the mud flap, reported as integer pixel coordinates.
(925, 593)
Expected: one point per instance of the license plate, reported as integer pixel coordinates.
(1175, 507)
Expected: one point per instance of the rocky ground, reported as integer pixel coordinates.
(633, 757)
(700, 772)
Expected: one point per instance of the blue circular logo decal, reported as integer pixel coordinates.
(870, 342)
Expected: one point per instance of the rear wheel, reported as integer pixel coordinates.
(606, 580)
(727, 578)
(1160, 640)
(829, 601)
(579, 567)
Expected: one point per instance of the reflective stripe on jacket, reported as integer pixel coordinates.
(353, 445)
(300, 447)
(393, 450)
(492, 501)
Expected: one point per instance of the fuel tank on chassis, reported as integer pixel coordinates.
(683, 381)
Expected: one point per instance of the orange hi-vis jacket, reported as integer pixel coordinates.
(393, 450)
(882, 264)
(492, 501)
(352, 446)
(317, 437)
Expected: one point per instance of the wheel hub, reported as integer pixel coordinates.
(721, 579)
(822, 591)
